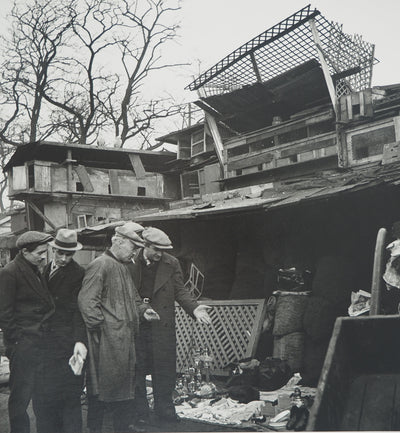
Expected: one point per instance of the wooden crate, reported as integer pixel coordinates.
(359, 387)
(233, 335)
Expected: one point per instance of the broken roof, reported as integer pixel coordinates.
(333, 183)
(92, 156)
(289, 44)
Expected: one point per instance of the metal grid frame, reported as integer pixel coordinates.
(289, 44)
(233, 335)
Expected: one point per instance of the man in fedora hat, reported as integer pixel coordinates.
(158, 276)
(56, 401)
(111, 307)
(25, 306)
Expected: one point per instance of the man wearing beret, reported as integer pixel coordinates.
(57, 401)
(25, 307)
(159, 278)
(110, 307)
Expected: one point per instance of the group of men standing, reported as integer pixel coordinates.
(118, 313)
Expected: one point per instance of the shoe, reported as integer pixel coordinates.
(136, 428)
(168, 417)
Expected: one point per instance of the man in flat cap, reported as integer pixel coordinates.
(25, 307)
(159, 278)
(111, 307)
(57, 402)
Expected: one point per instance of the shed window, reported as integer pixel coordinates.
(197, 140)
(190, 184)
(370, 143)
(183, 148)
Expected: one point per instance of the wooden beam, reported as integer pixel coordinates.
(114, 183)
(41, 214)
(255, 67)
(84, 178)
(137, 165)
(324, 65)
(250, 161)
(219, 147)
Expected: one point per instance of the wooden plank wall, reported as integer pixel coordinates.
(293, 142)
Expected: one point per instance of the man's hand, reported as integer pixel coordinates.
(80, 349)
(201, 314)
(151, 315)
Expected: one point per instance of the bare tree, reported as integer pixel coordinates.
(79, 88)
(5, 152)
(147, 29)
(77, 67)
(38, 31)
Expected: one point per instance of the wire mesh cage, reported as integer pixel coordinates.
(288, 44)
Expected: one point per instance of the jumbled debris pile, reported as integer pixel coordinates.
(253, 396)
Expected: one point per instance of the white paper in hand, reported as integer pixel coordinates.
(76, 364)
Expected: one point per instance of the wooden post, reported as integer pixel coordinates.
(69, 188)
(377, 281)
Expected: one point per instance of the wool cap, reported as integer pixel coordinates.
(66, 240)
(157, 238)
(130, 230)
(32, 237)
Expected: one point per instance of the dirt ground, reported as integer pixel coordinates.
(183, 426)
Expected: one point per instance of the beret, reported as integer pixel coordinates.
(157, 238)
(130, 230)
(32, 237)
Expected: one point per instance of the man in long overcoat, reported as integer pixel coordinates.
(110, 307)
(57, 399)
(25, 307)
(159, 278)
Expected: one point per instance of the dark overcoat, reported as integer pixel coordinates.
(25, 302)
(65, 327)
(168, 288)
(66, 324)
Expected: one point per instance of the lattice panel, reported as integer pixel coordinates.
(233, 335)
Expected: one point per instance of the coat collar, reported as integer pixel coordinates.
(59, 271)
(164, 271)
(34, 280)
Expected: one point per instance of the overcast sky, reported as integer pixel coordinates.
(211, 29)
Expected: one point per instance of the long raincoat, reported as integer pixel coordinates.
(110, 306)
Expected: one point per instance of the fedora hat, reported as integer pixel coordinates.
(66, 240)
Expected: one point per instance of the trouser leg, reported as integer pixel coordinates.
(72, 415)
(143, 367)
(95, 414)
(23, 366)
(163, 387)
(48, 416)
(122, 415)
(56, 396)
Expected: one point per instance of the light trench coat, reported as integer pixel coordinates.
(110, 306)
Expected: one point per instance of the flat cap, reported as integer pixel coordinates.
(157, 238)
(32, 237)
(130, 230)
